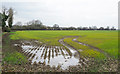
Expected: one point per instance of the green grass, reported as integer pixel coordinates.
(11, 55)
(15, 58)
(105, 40)
(86, 51)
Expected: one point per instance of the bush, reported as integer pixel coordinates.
(6, 29)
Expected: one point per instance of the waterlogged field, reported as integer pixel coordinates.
(105, 40)
(66, 50)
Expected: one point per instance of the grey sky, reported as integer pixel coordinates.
(67, 12)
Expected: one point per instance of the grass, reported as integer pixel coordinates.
(86, 51)
(11, 55)
(15, 58)
(105, 40)
(49, 37)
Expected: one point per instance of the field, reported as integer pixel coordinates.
(89, 50)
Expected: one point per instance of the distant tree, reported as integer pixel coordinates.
(94, 28)
(85, 28)
(72, 28)
(79, 28)
(36, 22)
(18, 23)
(64, 28)
(56, 27)
(36, 25)
(90, 28)
(101, 28)
(107, 28)
(113, 28)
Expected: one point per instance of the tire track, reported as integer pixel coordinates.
(75, 40)
(82, 61)
(93, 47)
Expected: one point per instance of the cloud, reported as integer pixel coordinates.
(67, 12)
(19, 19)
(19, 0)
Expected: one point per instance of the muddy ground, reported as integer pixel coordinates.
(42, 58)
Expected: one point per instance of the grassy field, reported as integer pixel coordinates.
(86, 51)
(105, 40)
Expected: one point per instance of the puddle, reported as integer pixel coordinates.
(79, 42)
(51, 55)
(16, 44)
(80, 50)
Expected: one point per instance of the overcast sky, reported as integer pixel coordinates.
(66, 12)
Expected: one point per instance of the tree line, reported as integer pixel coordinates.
(6, 21)
(38, 25)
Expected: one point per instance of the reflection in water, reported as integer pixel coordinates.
(51, 55)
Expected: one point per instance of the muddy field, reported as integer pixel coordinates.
(47, 58)
(53, 56)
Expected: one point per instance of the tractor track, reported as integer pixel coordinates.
(81, 43)
(83, 62)
(93, 47)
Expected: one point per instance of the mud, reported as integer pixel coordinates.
(53, 56)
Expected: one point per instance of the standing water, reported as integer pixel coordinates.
(52, 55)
